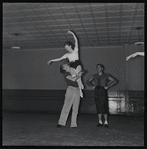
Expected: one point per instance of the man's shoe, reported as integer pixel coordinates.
(73, 127)
(59, 126)
(106, 126)
(99, 125)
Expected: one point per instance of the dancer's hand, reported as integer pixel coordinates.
(49, 62)
(80, 73)
(69, 32)
(128, 57)
(106, 87)
(93, 87)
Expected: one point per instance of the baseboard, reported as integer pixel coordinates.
(51, 101)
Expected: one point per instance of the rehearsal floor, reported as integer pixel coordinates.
(28, 129)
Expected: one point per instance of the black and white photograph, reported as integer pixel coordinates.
(73, 74)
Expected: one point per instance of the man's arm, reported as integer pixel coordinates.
(112, 81)
(89, 82)
(75, 78)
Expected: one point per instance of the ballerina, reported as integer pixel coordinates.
(73, 58)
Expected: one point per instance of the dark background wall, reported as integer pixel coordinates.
(28, 69)
(29, 84)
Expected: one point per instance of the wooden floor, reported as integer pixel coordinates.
(22, 129)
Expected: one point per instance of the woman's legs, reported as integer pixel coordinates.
(73, 72)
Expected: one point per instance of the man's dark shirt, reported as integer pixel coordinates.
(69, 82)
(101, 80)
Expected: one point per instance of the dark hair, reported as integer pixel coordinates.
(61, 69)
(100, 65)
(69, 43)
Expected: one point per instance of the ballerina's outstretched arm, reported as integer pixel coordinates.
(58, 59)
(134, 55)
